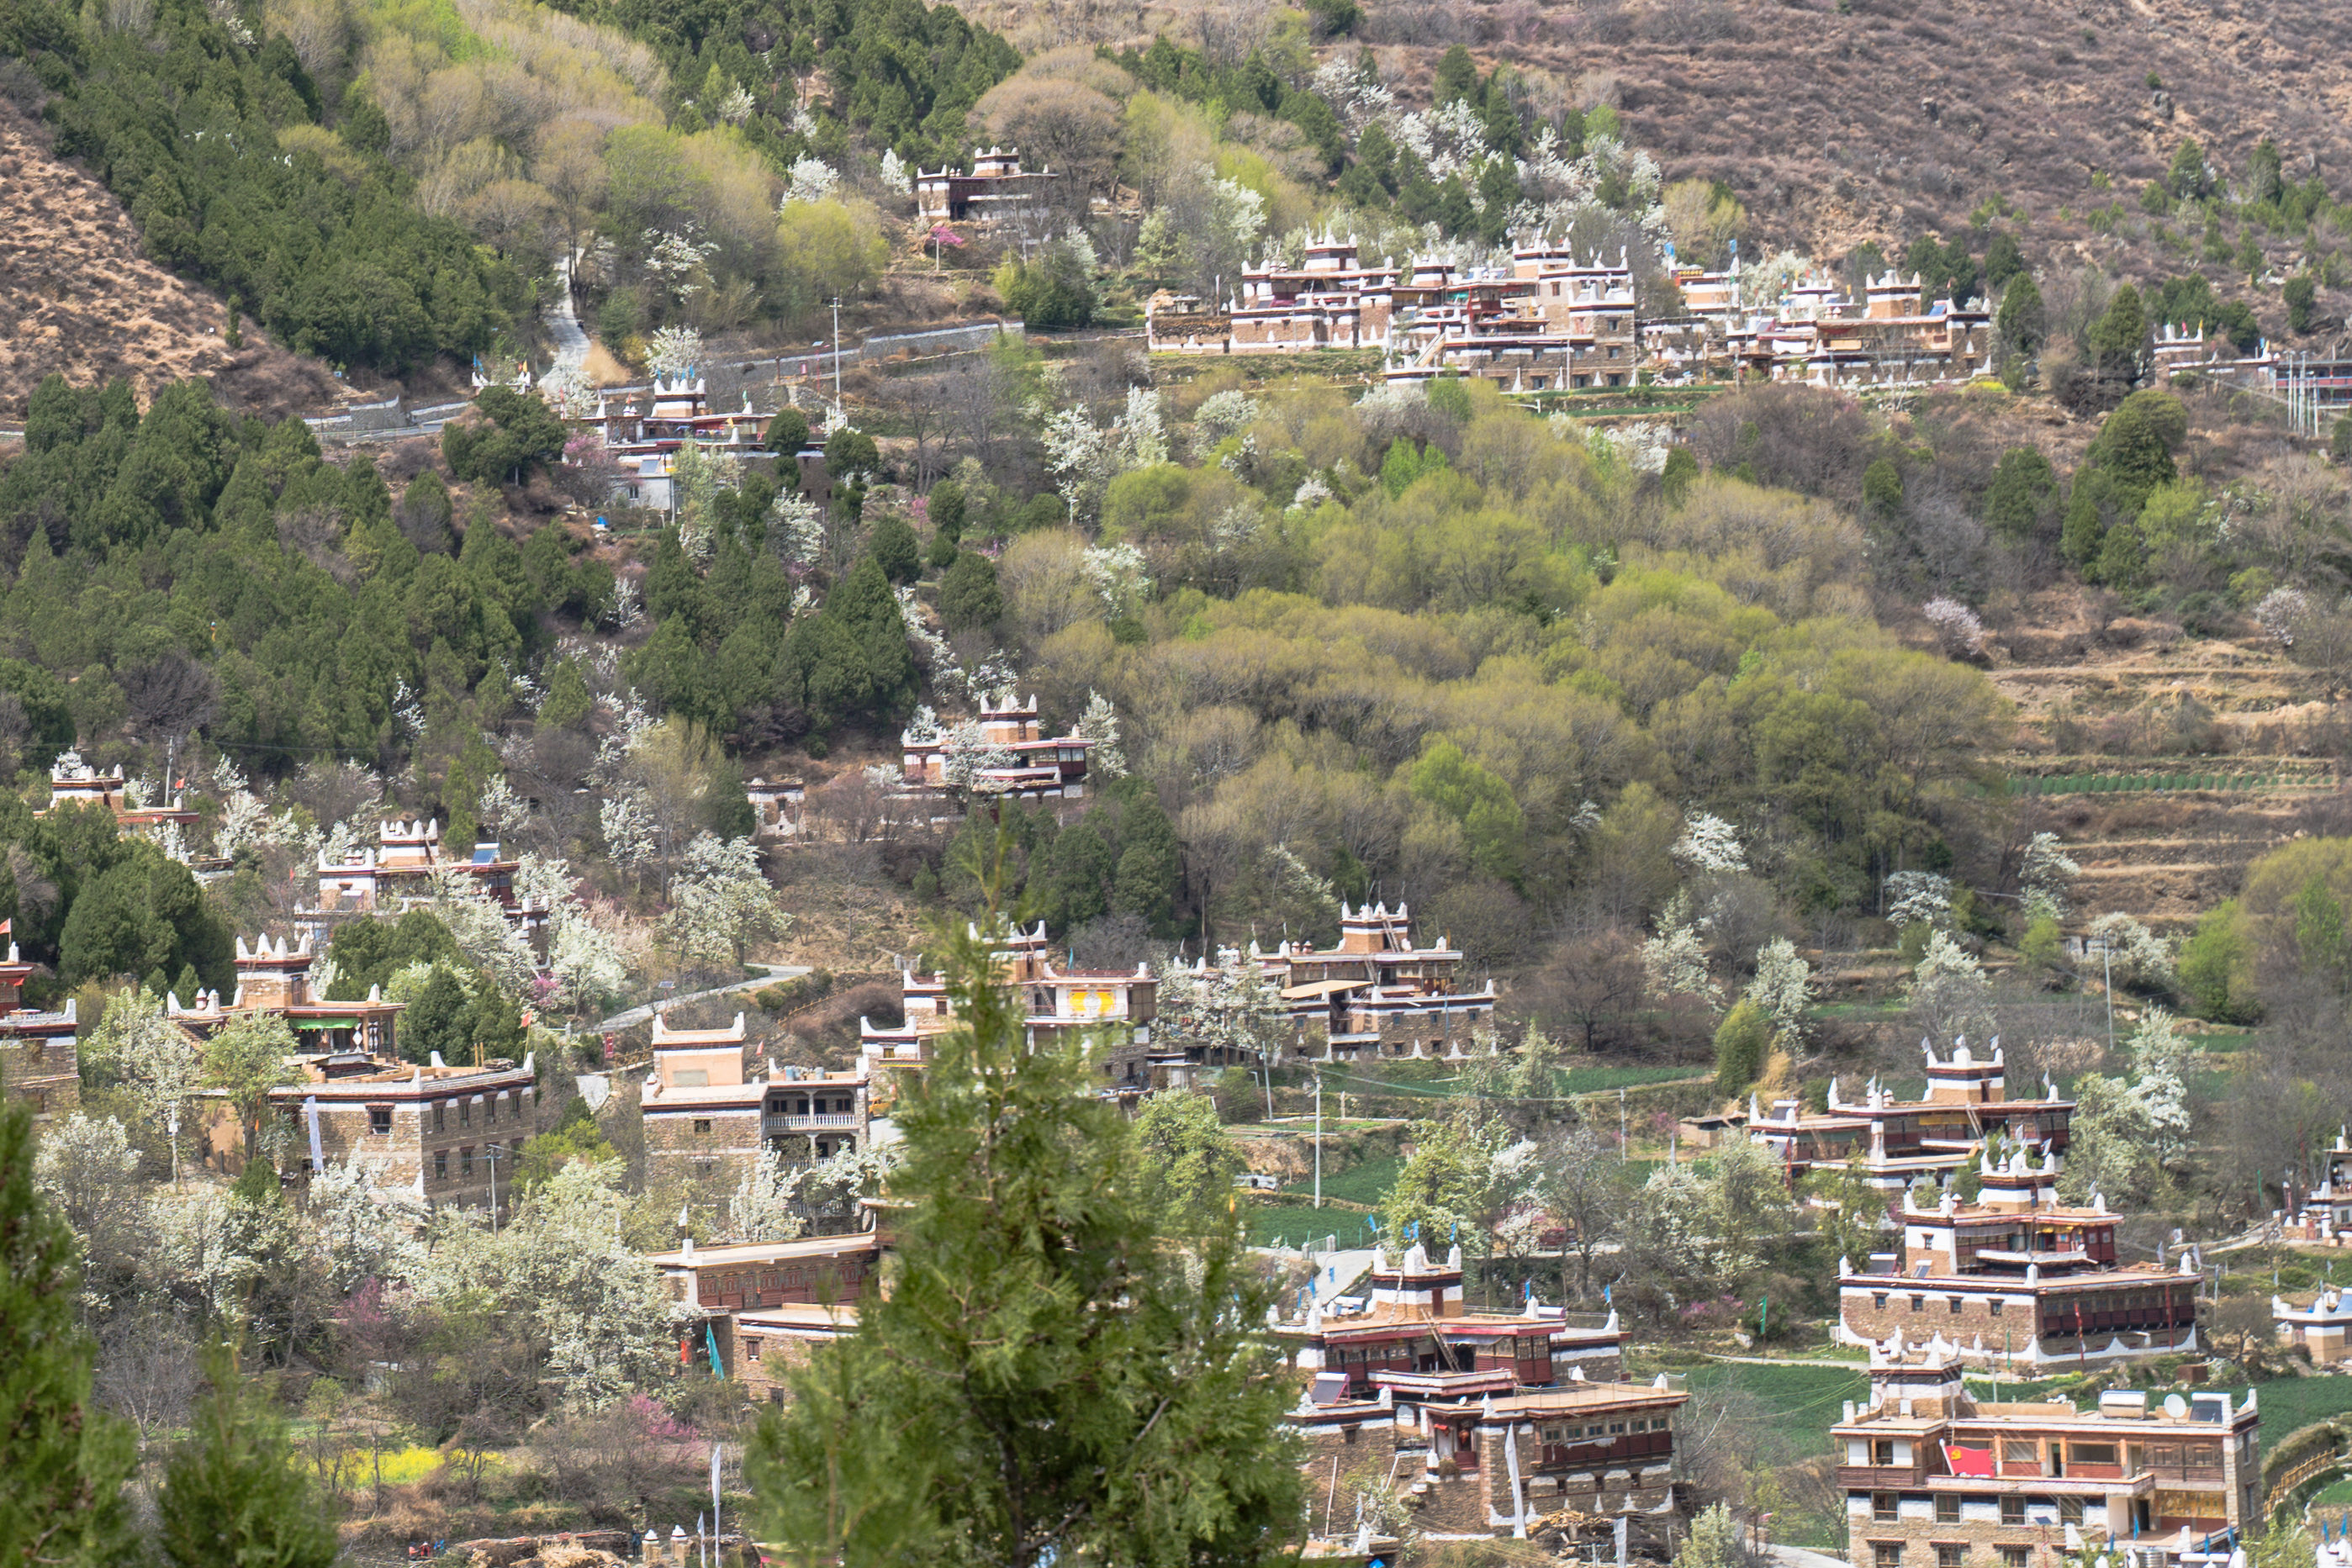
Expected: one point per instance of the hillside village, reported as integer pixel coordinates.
(831, 783)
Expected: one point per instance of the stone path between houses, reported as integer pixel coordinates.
(1335, 1272)
(635, 1016)
(564, 325)
(1798, 1557)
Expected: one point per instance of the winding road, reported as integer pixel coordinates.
(635, 1016)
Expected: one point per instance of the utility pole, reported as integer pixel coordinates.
(836, 348)
(1319, 1140)
(1621, 1125)
(492, 1151)
(2107, 954)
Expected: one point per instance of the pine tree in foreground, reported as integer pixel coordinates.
(62, 1462)
(233, 1495)
(1051, 1375)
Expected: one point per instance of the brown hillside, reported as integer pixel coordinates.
(1843, 121)
(78, 296)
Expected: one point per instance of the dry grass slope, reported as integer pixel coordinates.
(78, 297)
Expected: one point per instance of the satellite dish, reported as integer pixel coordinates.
(2175, 1406)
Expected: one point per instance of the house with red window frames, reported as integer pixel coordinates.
(1935, 1478)
(758, 1308)
(2014, 1279)
(1484, 1421)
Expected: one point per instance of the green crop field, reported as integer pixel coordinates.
(1367, 1182)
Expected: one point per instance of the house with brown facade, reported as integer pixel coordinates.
(758, 1308)
(1378, 993)
(40, 1058)
(1113, 1008)
(2016, 1280)
(440, 1134)
(1935, 1477)
(712, 1107)
(1487, 1420)
(1899, 1141)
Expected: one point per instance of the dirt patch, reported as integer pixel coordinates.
(79, 297)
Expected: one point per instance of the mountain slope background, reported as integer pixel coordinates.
(1859, 121)
(78, 297)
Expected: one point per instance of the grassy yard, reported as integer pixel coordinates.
(1365, 1181)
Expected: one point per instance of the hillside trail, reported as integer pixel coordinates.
(563, 326)
(776, 973)
(2135, 702)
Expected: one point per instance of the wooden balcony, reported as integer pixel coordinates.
(1882, 1478)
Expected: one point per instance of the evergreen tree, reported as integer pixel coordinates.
(2021, 318)
(2023, 484)
(894, 551)
(1742, 1044)
(968, 595)
(1149, 862)
(233, 1493)
(1049, 1376)
(2117, 337)
(65, 1461)
(862, 606)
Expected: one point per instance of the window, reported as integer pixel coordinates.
(464, 1113)
(379, 1118)
(2020, 1451)
(1948, 1554)
(702, 1123)
(1882, 1451)
(1954, 1304)
(750, 1351)
(1948, 1509)
(2015, 1556)
(1616, 1428)
(1878, 1300)
(2013, 1511)
(2208, 1455)
(1996, 1304)
(2070, 1510)
(440, 1164)
(466, 1165)
(1886, 1553)
(1883, 1507)
(440, 1115)
(1919, 1303)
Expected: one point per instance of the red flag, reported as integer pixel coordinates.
(8, 926)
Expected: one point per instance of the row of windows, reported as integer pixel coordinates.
(1919, 1303)
(380, 1116)
(1884, 1507)
(1948, 1554)
(1609, 1429)
(465, 1164)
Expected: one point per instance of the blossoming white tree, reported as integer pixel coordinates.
(1949, 991)
(363, 1232)
(1782, 986)
(721, 902)
(1710, 844)
(603, 1311)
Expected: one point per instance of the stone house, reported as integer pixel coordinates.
(437, 1134)
(1935, 1478)
(1377, 993)
(1900, 1141)
(1113, 1009)
(40, 1058)
(760, 1307)
(2015, 1279)
(710, 1111)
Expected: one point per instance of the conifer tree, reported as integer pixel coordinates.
(62, 1463)
(1050, 1377)
(233, 1494)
